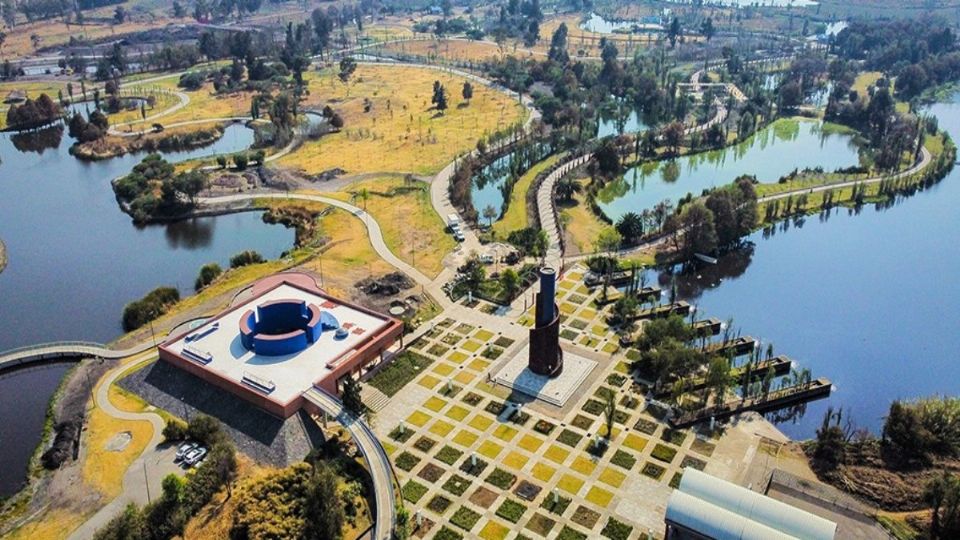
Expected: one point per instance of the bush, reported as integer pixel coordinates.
(222, 162)
(511, 511)
(245, 258)
(175, 430)
(208, 273)
(191, 81)
(151, 306)
(240, 161)
(205, 429)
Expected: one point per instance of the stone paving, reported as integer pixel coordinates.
(472, 469)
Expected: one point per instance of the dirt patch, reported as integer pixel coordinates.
(119, 442)
(388, 285)
(483, 497)
(3, 256)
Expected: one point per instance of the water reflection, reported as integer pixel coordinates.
(190, 233)
(37, 141)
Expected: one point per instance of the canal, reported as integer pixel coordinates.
(771, 153)
(870, 300)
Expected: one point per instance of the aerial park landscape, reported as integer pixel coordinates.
(471, 269)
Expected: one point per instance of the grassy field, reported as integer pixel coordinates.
(163, 101)
(33, 90)
(56, 523)
(104, 469)
(458, 49)
(411, 227)
(516, 215)
(204, 104)
(401, 132)
(582, 227)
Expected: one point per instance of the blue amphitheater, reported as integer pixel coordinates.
(283, 327)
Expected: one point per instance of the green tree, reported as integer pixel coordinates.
(609, 414)
(347, 68)
(467, 91)
(566, 187)
(700, 235)
(208, 273)
(489, 213)
(630, 227)
(510, 282)
(608, 240)
(322, 506)
(350, 395)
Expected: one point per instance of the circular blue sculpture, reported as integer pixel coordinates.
(283, 327)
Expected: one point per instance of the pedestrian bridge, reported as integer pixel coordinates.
(59, 350)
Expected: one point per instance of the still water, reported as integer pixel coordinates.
(870, 301)
(773, 152)
(76, 259)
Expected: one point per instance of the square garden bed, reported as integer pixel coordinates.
(456, 485)
(501, 478)
(511, 510)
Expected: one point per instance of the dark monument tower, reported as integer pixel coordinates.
(546, 358)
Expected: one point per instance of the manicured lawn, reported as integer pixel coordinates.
(465, 438)
(530, 443)
(543, 472)
(457, 485)
(465, 518)
(413, 491)
(448, 455)
(511, 510)
(556, 454)
(623, 459)
(583, 465)
(480, 422)
(516, 215)
(398, 373)
(457, 413)
(406, 461)
(599, 496)
(663, 453)
(612, 477)
(515, 460)
(501, 478)
(494, 531)
(441, 428)
(569, 483)
(489, 449)
(435, 404)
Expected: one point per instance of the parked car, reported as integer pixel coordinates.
(195, 456)
(184, 449)
(458, 236)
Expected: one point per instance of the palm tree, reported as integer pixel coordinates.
(489, 212)
(566, 188)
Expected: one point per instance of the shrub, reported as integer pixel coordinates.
(663, 453)
(222, 162)
(240, 161)
(244, 258)
(406, 461)
(175, 430)
(148, 308)
(616, 530)
(205, 429)
(413, 491)
(208, 273)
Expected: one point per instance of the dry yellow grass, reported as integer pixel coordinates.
(350, 255)
(204, 104)
(56, 523)
(516, 216)
(103, 469)
(55, 32)
(458, 49)
(401, 133)
(411, 227)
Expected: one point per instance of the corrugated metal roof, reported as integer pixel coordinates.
(716, 522)
(714, 495)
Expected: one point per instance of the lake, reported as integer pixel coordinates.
(870, 301)
(75, 260)
(771, 153)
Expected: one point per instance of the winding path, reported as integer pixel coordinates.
(381, 472)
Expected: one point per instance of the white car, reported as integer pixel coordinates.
(184, 449)
(195, 456)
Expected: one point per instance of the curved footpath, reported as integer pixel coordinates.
(546, 203)
(381, 472)
(142, 477)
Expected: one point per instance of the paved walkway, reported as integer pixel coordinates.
(65, 349)
(143, 479)
(378, 463)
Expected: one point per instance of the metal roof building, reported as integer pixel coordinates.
(705, 507)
